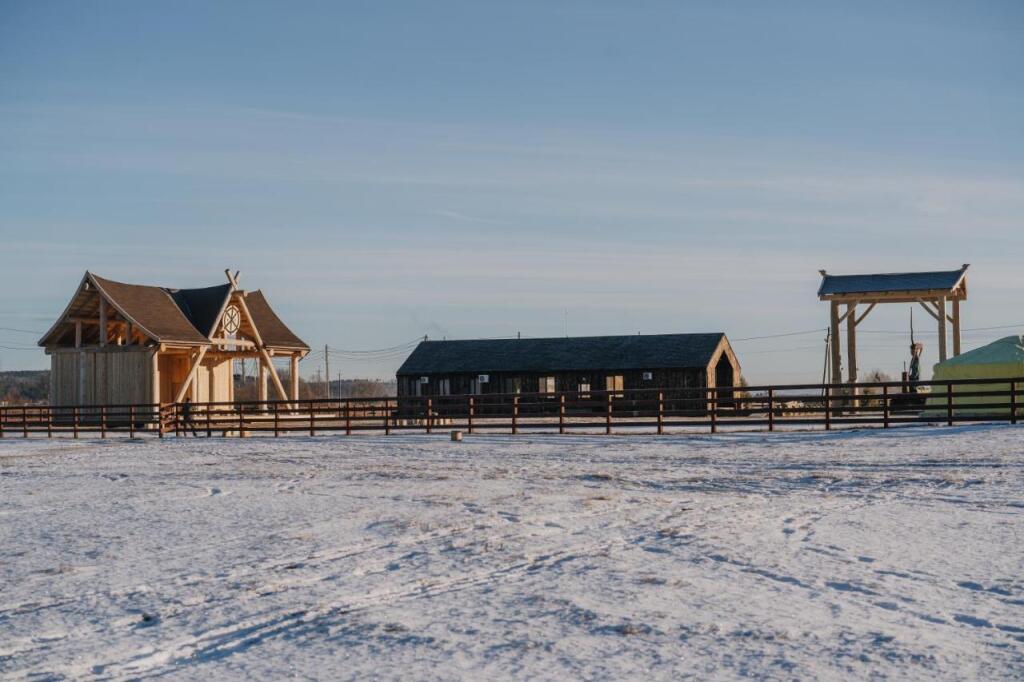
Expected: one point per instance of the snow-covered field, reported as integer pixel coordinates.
(799, 555)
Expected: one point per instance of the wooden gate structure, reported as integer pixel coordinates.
(932, 290)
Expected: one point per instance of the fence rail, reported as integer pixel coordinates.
(882, 404)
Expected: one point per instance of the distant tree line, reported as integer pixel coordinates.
(28, 386)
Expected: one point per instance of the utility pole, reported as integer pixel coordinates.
(327, 371)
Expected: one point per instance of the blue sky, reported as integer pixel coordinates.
(474, 169)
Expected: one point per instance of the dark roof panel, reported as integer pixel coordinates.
(655, 351)
(202, 307)
(897, 281)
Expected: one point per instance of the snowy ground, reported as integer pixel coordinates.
(806, 555)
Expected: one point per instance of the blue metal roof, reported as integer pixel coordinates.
(896, 281)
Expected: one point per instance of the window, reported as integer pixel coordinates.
(614, 383)
(546, 385)
(513, 385)
(583, 387)
(444, 387)
(648, 376)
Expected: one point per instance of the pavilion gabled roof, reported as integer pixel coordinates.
(166, 315)
(944, 281)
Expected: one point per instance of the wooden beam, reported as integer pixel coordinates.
(941, 307)
(864, 314)
(103, 320)
(252, 323)
(928, 308)
(191, 374)
(956, 327)
(273, 374)
(224, 341)
(849, 311)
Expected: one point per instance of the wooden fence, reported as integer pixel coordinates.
(881, 404)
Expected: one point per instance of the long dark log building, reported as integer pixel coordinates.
(571, 364)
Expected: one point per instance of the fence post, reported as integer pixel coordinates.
(828, 408)
(241, 420)
(949, 403)
(209, 418)
(131, 421)
(661, 413)
(561, 413)
(3, 418)
(74, 421)
(49, 421)
(430, 415)
(387, 417)
(714, 409)
(24, 421)
(312, 420)
(515, 414)
(174, 416)
(1013, 402)
(771, 409)
(608, 416)
(277, 419)
(103, 421)
(469, 414)
(160, 420)
(885, 407)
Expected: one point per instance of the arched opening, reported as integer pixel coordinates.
(724, 376)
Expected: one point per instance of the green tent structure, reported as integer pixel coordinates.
(1000, 359)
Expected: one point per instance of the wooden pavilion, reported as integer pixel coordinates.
(119, 343)
(932, 290)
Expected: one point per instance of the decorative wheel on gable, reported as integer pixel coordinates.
(232, 320)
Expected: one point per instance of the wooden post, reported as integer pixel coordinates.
(49, 422)
(131, 421)
(295, 377)
(159, 420)
(561, 413)
(941, 303)
(348, 416)
(714, 410)
(836, 356)
(430, 415)
(74, 419)
(103, 421)
(661, 413)
(956, 327)
(828, 408)
(277, 419)
(515, 414)
(24, 421)
(312, 420)
(3, 418)
(949, 404)
(608, 416)
(209, 418)
(851, 352)
(469, 414)
(241, 421)
(387, 418)
(771, 409)
(261, 388)
(885, 407)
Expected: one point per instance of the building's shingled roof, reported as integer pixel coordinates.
(273, 331)
(187, 316)
(153, 308)
(589, 353)
(897, 281)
